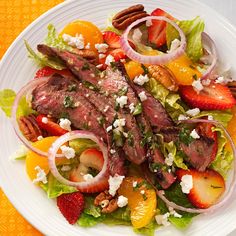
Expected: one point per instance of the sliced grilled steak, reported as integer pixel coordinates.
(55, 99)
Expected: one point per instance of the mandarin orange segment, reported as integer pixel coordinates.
(33, 159)
(90, 32)
(142, 206)
(133, 69)
(183, 69)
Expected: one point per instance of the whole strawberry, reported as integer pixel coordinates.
(71, 206)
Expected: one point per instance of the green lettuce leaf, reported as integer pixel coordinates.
(224, 158)
(148, 230)
(7, 97)
(192, 30)
(54, 188)
(20, 153)
(90, 208)
(171, 101)
(43, 60)
(86, 220)
(80, 145)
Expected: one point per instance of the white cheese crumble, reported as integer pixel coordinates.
(220, 80)
(131, 107)
(135, 184)
(41, 176)
(174, 45)
(197, 85)
(68, 151)
(119, 122)
(182, 117)
(45, 120)
(114, 183)
(109, 59)
(65, 168)
(169, 159)
(142, 96)
(101, 47)
(65, 124)
(112, 151)
(88, 177)
(106, 108)
(141, 79)
(142, 192)
(186, 183)
(174, 213)
(109, 128)
(101, 55)
(77, 41)
(163, 219)
(210, 117)
(194, 134)
(137, 35)
(122, 101)
(206, 82)
(148, 23)
(193, 112)
(87, 46)
(40, 137)
(122, 201)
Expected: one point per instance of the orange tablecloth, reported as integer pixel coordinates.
(15, 15)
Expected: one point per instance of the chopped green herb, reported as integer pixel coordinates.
(192, 66)
(143, 183)
(117, 138)
(68, 102)
(85, 126)
(123, 91)
(130, 139)
(145, 69)
(117, 106)
(213, 186)
(138, 109)
(65, 115)
(184, 136)
(144, 197)
(72, 87)
(101, 120)
(90, 86)
(195, 77)
(113, 65)
(85, 66)
(147, 138)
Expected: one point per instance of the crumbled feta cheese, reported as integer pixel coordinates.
(77, 41)
(142, 96)
(131, 107)
(182, 117)
(169, 160)
(174, 45)
(210, 117)
(142, 192)
(194, 134)
(101, 55)
(148, 23)
(125, 135)
(186, 183)
(206, 82)
(109, 128)
(45, 120)
(193, 112)
(106, 108)
(197, 85)
(65, 124)
(135, 184)
(220, 80)
(109, 59)
(141, 79)
(163, 219)
(88, 177)
(119, 122)
(122, 101)
(114, 183)
(41, 176)
(137, 35)
(101, 47)
(122, 201)
(87, 46)
(112, 151)
(99, 66)
(68, 151)
(40, 137)
(174, 213)
(65, 168)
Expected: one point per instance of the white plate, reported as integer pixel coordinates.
(16, 69)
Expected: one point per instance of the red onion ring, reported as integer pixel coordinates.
(229, 192)
(210, 47)
(160, 59)
(70, 136)
(24, 90)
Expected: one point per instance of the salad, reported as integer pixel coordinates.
(128, 125)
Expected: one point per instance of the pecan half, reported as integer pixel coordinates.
(87, 54)
(164, 76)
(29, 127)
(107, 202)
(127, 16)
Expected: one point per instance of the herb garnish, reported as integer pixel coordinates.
(184, 136)
(72, 87)
(138, 109)
(123, 91)
(68, 102)
(130, 139)
(145, 69)
(85, 66)
(101, 120)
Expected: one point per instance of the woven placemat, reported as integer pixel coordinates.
(15, 15)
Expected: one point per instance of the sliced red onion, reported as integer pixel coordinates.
(229, 193)
(155, 60)
(26, 90)
(210, 47)
(75, 135)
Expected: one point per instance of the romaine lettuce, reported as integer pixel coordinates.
(79, 145)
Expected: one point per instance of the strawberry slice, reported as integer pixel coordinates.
(205, 129)
(112, 39)
(212, 97)
(208, 187)
(157, 31)
(48, 71)
(50, 126)
(71, 206)
(118, 54)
